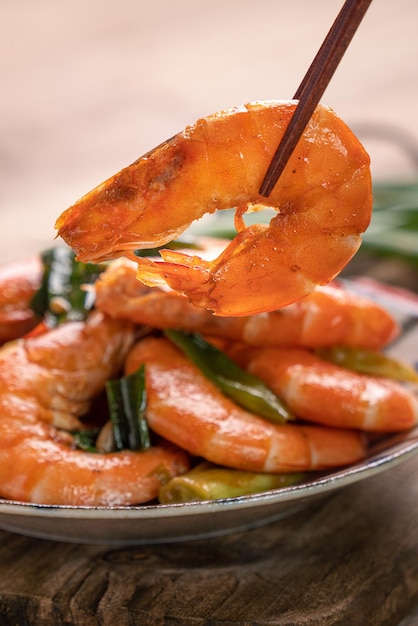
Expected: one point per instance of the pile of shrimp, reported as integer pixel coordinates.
(265, 298)
(50, 381)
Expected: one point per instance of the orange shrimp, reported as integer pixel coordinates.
(19, 281)
(187, 409)
(324, 393)
(323, 203)
(329, 316)
(46, 384)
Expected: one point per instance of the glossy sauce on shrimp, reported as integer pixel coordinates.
(322, 202)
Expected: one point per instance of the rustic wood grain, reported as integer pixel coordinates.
(351, 558)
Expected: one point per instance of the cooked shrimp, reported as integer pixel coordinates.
(47, 383)
(19, 281)
(329, 316)
(323, 203)
(324, 393)
(61, 370)
(187, 409)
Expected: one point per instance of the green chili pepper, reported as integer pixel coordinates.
(127, 405)
(210, 482)
(369, 362)
(245, 389)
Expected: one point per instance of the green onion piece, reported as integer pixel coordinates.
(61, 296)
(210, 482)
(86, 439)
(245, 389)
(127, 401)
(369, 362)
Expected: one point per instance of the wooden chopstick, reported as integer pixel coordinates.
(314, 84)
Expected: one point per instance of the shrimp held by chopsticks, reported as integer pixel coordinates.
(322, 201)
(46, 384)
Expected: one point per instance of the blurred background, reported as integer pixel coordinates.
(87, 87)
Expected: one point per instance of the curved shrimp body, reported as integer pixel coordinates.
(323, 203)
(46, 384)
(37, 467)
(329, 316)
(19, 281)
(58, 373)
(324, 393)
(187, 409)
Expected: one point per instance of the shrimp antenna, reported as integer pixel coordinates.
(313, 85)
